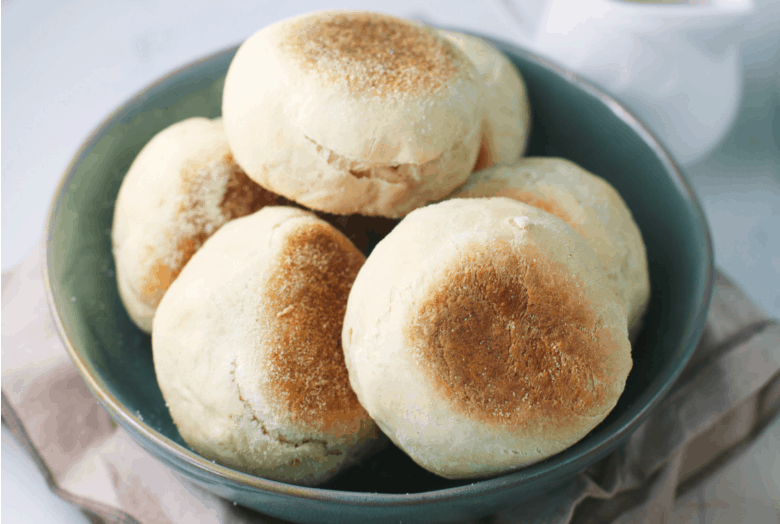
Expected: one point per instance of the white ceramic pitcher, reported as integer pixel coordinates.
(674, 64)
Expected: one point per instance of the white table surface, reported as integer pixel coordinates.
(67, 65)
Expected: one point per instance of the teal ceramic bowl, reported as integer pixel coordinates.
(571, 119)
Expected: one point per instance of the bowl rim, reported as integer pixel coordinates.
(557, 466)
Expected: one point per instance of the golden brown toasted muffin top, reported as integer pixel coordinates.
(308, 288)
(374, 53)
(508, 338)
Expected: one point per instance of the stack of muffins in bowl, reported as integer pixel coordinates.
(490, 326)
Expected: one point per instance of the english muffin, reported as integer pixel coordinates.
(482, 336)
(181, 188)
(247, 349)
(591, 206)
(353, 112)
(507, 120)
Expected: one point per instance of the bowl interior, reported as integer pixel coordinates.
(569, 120)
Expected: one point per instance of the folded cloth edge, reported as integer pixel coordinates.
(91, 508)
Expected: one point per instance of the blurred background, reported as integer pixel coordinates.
(703, 75)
